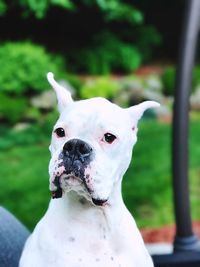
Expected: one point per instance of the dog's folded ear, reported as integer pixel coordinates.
(63, 95)
(138, 110)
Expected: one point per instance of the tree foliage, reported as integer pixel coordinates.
(106, 53)
(37, 7)
(24, 66)
(108, 35)
(113, 9)
(116, 10)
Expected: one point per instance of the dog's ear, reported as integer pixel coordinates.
(138, 110)
(63, 95)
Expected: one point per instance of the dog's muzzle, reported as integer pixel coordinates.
(75, 156)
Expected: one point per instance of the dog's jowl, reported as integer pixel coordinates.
(87, 223)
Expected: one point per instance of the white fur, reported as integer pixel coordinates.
(74, 232)
(63, 96)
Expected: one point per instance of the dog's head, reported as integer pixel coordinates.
(91, 145)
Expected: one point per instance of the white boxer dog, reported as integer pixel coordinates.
(87, 223)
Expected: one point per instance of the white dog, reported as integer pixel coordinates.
(87, 223)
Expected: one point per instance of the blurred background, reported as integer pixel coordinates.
(125, 51)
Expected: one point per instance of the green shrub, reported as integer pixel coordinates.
(108, 53)
(102, 86)
(168, 80)
(132, 40)
(37, 7)
(169, 76)
(12, 109)
(147, 39)
(196, 77)
(24, 66)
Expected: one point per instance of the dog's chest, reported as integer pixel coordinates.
(77, 246)
(78, 243)
(89, 238)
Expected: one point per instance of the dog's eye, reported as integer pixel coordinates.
(60, 132)
(109, 138)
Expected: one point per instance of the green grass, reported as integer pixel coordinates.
(24, 182)
(147, 187)
(147, 184)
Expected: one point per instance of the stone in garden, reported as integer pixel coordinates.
(195, 100)
(150, 94)
(154, 83)
(45, 100)
(130, 93)
(164, 113)
(21, 126)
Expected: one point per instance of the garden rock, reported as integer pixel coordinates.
(153, 95)
(195, 100)
(21, 126)
(164, 113)
(135, 95)
(154, 83)
(130, 93)
(46, 100)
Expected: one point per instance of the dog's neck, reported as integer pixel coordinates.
(72, 205)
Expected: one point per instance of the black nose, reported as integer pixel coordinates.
(77, 148)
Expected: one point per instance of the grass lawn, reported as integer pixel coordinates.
(147, 189)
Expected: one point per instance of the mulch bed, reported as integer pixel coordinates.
(164, 234)
(149, 70)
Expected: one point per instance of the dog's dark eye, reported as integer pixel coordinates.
(109, 138)
(60, 132)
